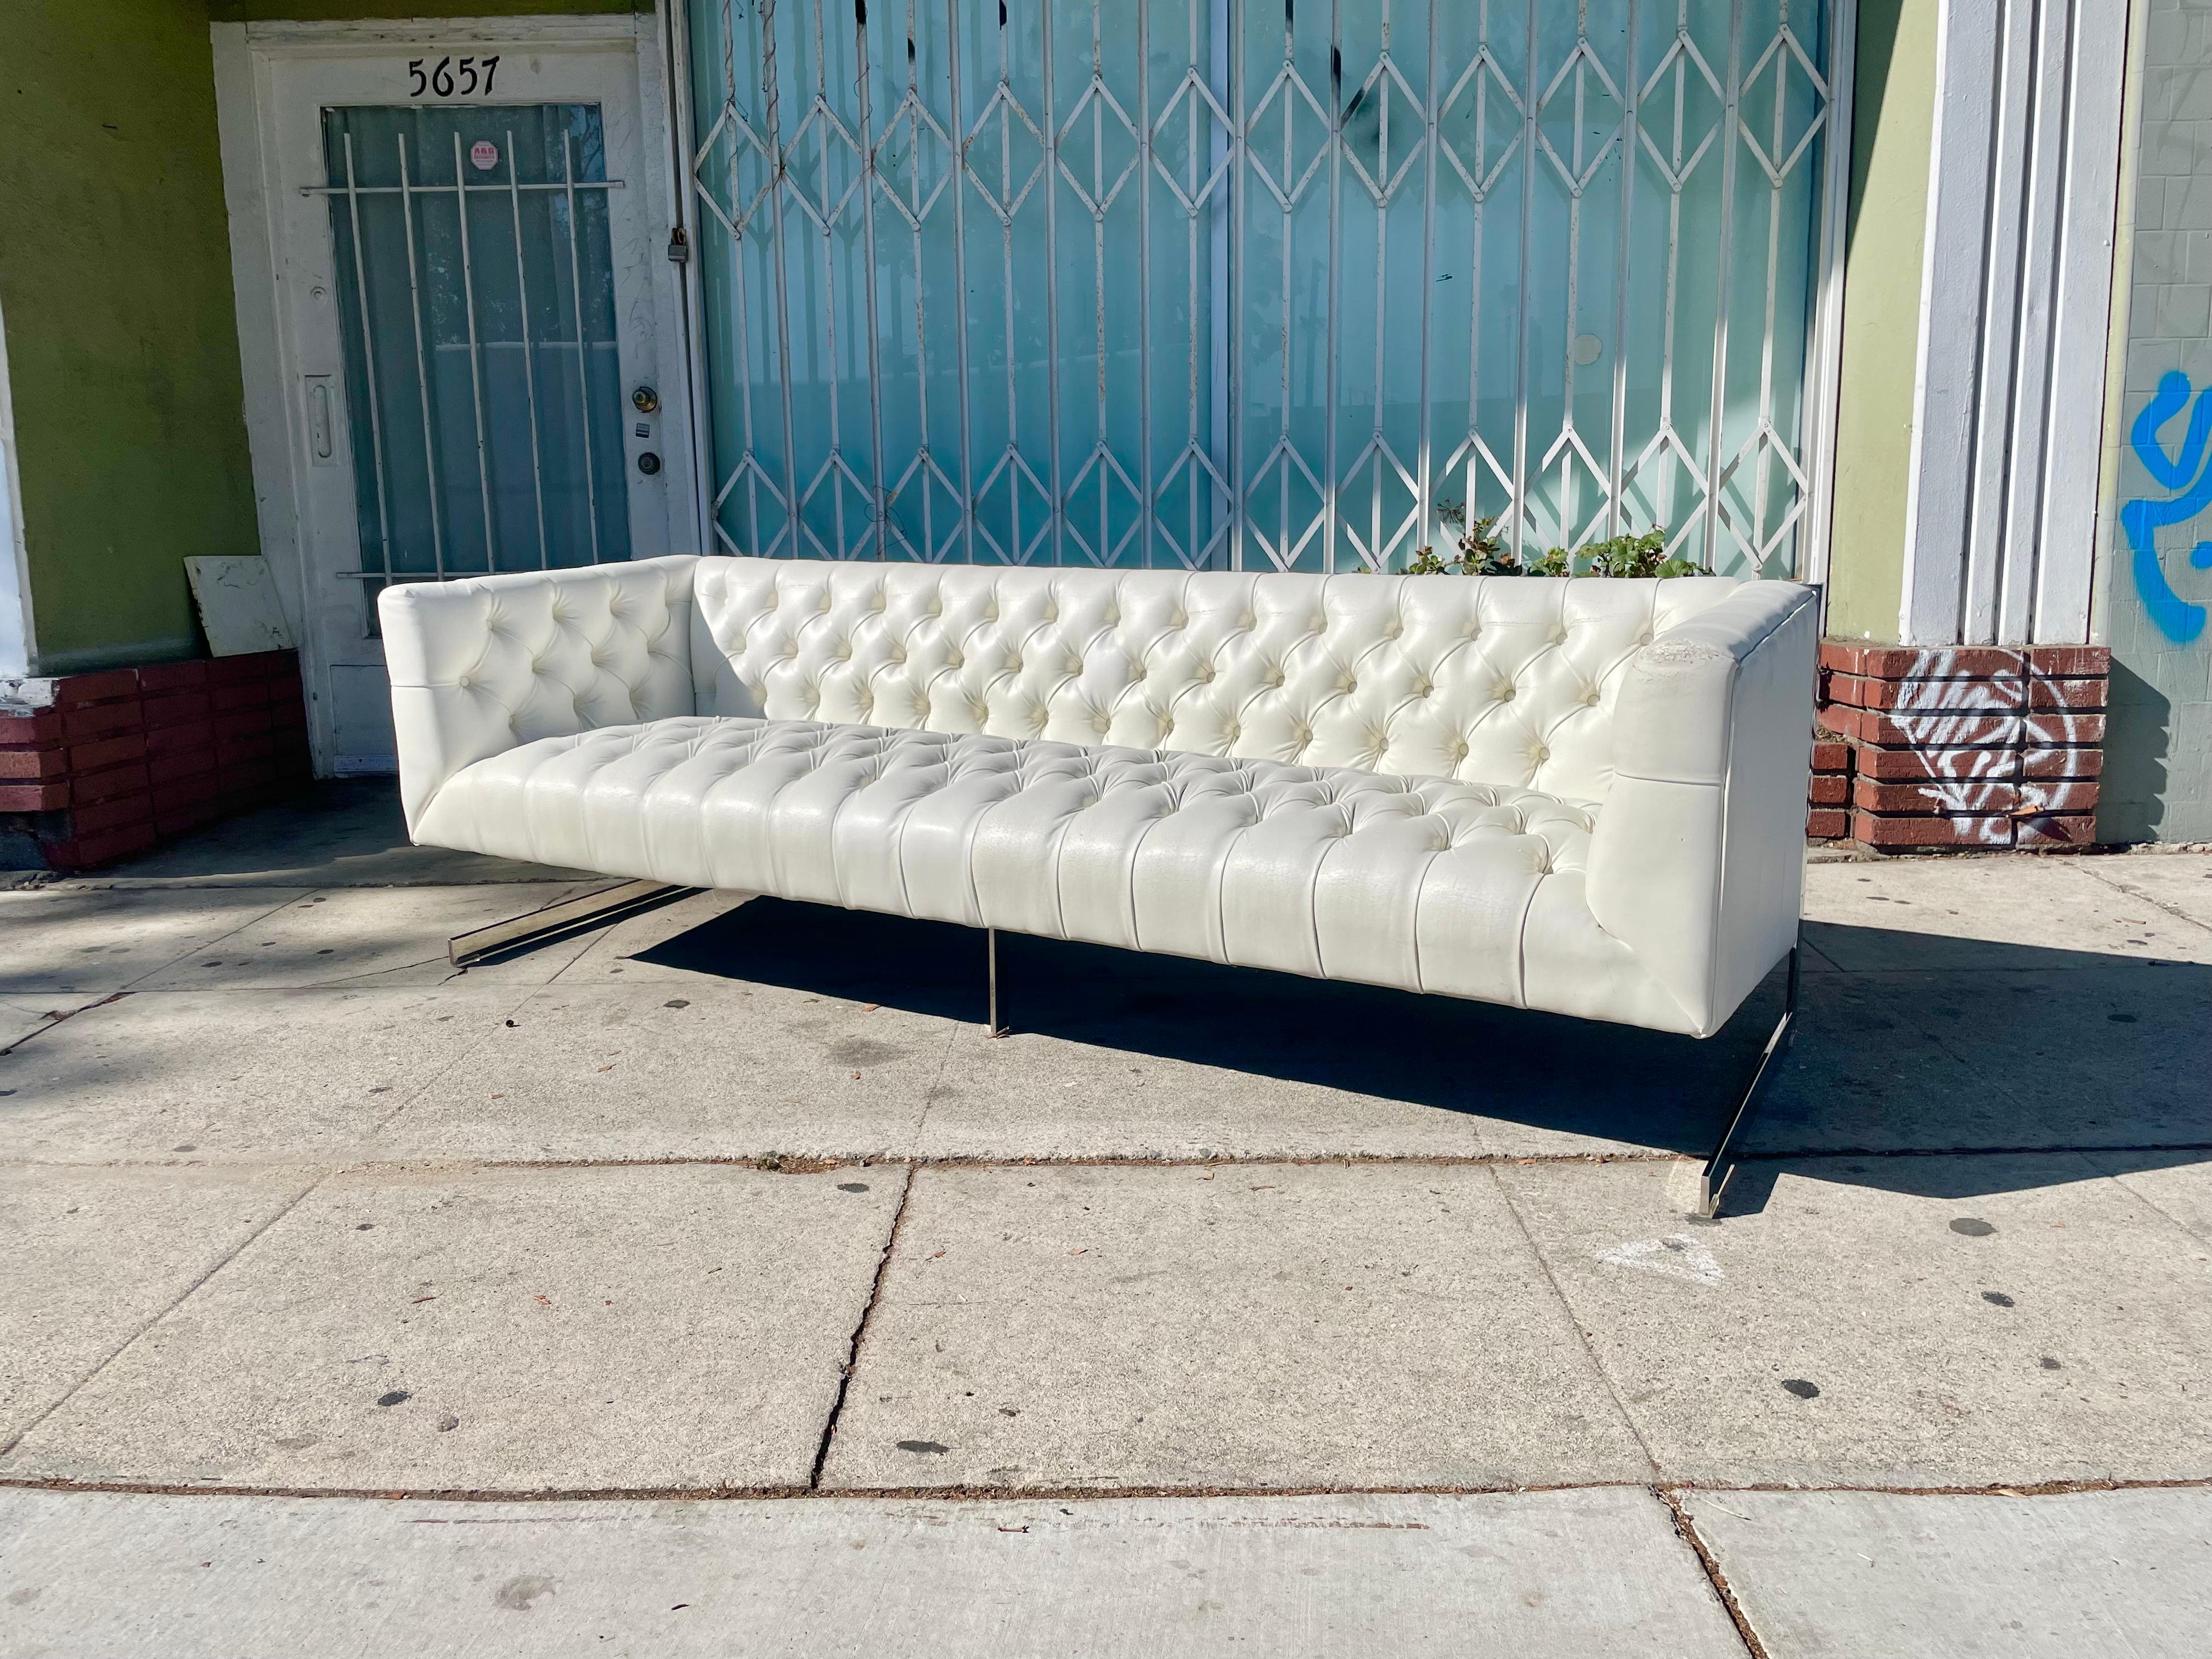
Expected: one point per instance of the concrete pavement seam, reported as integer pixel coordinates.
(112, 996)
(176, 1301)
(860, 1330)
(1687, 1531)
(2120, 885)
(998, 1494)
(1574, 1322)
(258, 915)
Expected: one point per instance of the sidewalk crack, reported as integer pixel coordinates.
(860, 1331)
(1687, 1531)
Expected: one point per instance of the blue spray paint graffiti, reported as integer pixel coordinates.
(2176, 617)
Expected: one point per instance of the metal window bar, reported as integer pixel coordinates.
(529, 351)
(351, 192)
(1470, 146)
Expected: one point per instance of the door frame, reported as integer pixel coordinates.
(274, 352)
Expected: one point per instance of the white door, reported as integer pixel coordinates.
(480, 366)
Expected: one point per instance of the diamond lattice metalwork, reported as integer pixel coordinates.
(1221, 283)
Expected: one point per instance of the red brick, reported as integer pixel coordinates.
(2095, 659)
(1935, 796)
(2080, 796)
(86, 851)
(100, 719)
(250, 694)
(1916, 830)
(182, 763)
(175, 708)
(1915, 662)
(110, 814)
(32, 765)
(1895, 765)
(86, 787)
(1829, 789)
(79, 691)
(106, 752)
(173, 739)
(173, 676)
(34, 797)
(171, 795)
(237, 722)
(250, 667)
(2062, 730)
(2000, 695)
(2058, 830)
(1934, 731)
(37, 726)
(1975, 731)
(288, 712)
(237, 751)
(1827, 824)
(2062, 762)
(2067, 694)
(1831, 755)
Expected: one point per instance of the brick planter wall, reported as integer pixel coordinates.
(1972, 746)
(96, 767)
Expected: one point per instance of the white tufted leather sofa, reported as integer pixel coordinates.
(1585, 796)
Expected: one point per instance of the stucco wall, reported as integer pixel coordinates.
(2158, 752)
(1892, 124)
(122, 346)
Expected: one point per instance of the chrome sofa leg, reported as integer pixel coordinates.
(543, 926)
(1713, 1179)
(996, 1028)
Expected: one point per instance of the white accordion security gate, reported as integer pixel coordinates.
(1259, 283)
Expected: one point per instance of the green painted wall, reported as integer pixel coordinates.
(122, 341)
(325, 11)
(1892, 129)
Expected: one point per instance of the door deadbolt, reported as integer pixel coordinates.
(648, 462)
(646, 399)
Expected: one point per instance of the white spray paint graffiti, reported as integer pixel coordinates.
(1676, 1256)
(1976, 739)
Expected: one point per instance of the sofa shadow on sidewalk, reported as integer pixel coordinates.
(1995, 1047)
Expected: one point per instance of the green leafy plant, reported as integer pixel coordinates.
(1481, 552)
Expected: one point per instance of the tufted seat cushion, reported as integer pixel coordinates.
(1583, 796)
(1423, 883)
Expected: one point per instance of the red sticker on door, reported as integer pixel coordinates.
(483, 154)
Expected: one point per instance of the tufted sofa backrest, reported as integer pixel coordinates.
(480, 665)
(1498, 680)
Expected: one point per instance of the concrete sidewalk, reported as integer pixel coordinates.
(725, 1236)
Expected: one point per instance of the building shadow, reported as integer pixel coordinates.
(1980, 1052)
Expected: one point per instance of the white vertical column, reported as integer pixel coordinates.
(1944, 379)
(2064, 573)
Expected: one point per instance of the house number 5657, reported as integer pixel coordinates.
(446, 78)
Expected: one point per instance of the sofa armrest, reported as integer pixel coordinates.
(1698, 862)
(482, 664)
